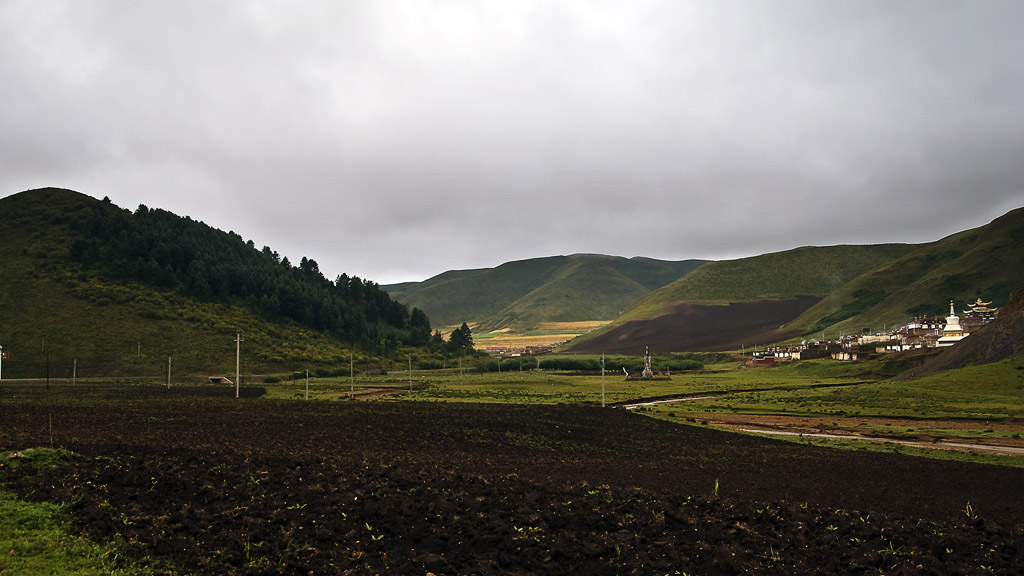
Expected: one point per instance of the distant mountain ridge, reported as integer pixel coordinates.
(805, 271)
(524, 293)
(695, 305)
(985, 262)
(820, 290)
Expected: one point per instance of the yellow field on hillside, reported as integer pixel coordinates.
(546, 334)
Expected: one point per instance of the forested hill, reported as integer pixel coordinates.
(176, 253)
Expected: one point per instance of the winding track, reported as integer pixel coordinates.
(942, 445)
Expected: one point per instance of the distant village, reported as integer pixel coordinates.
(922, 332)
(513, 352)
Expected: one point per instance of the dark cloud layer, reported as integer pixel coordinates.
(395, 140)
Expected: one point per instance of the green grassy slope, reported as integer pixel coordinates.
(985, 262)
(648, 272)
(52, 309)
(525, 292)
(563, 298)
(860, 286)
(473, 295)
(806, 271)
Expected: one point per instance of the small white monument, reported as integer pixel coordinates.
(647, 374)
(952, 333)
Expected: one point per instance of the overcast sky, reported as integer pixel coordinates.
(395, 140)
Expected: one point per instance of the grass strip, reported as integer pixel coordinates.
(35, 540)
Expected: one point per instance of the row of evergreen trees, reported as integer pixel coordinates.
(160, 248)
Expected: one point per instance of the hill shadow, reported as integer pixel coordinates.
(698, 327)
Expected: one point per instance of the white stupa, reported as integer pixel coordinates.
(952, 333)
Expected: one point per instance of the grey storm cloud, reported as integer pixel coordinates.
(395, 140)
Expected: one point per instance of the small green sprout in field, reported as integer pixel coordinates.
(715, 491)
(891, 550)
(970, 511)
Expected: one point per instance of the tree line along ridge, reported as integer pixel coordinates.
(162, 249)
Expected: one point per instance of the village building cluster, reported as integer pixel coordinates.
(922, 332)
(513, 352)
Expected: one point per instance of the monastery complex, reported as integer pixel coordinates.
(922, 332)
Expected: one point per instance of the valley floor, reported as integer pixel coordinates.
(195, 481)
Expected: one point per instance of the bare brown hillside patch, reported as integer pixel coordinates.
(698, 327)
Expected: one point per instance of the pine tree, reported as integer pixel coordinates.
(461, 339)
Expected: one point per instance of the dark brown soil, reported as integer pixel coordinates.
(208, 485)
(691, 327)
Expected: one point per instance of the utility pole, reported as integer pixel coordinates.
(74, 372)
(238, 358)
(351, 377)
(168, 372)
(307, 383)
(602, 380)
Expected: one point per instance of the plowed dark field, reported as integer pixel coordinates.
(195, 483)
